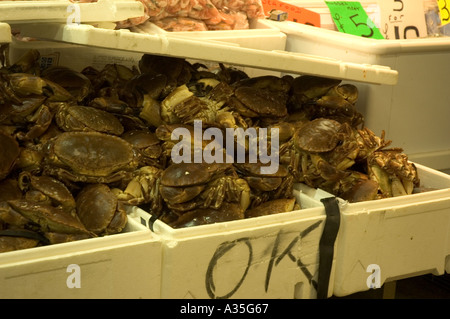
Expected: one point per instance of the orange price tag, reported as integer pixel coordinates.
(294, 13)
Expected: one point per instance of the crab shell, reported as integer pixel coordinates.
(319, 135)
(74, 82)
(190, 174)
(89, 157)
(9, 154)
(49, 218)
(146, 143)
(55, 190)
(203, 216)
(275, 206)
(308, 87)
(99, 210)
(251, 172)
(9, 243)
(85, 118)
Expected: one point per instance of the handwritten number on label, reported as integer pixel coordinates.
(445, 13)
(351, 18)
(401, 7)
(357, 24)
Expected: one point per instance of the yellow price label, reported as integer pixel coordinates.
(444, 10)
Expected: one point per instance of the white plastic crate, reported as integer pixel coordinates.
(210, 50)
(261, 35)
(64, 11)
(274, 256)
(402, 236)
(125, 265)
(414, 113)
(75, 56)
(5, 33)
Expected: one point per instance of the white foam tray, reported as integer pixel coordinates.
(59, 11)
(5, 33)
(274, 256)
(125, 265)
(212, 50)
(260, 35)
(403, 236)
(414, 113)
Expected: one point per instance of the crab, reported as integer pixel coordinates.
(186, 186)
(172, 135)
(203, 216)
(334, 107)
(143, 86)
(16, 86)
(10, 242)
(9, 155)
(49, 218)
(99, 210)
(72, 118)
(264, 97)
(27, 63)
(274, 206)
(110, 76)
(29, 115)
(318, 97)
(144, 188)
(90, 157)
(393, 172)
(320, 153)
(266, 187)
(203, 100)
(148, 146)
(46, 189)
(76, 83)
(177, 70)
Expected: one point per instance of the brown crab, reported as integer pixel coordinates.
(321, 150)
(148, 146)
(76, 83)
(274, 206)
(144, 188)
(46, 189)
(89, 157)
(186, 186)
(9, 154)
(99, 210)
(203, 216)
(318, 97)
(21, 85)
(266, 187)
(263, 97)
(49, 218)
(393, 172)
(72, 118)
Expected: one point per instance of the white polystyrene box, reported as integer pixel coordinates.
(260, 35)
(74, 56)
(5, 33)
(402, 236)
(210, 50)
(273, 256)
(105, 12)
(125, 265)
(414, 112)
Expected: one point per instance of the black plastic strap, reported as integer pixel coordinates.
(152, 220)
(326, 244)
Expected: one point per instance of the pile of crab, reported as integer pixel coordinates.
(79, 147)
